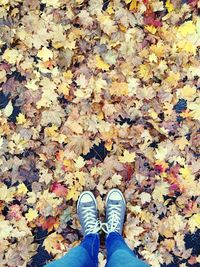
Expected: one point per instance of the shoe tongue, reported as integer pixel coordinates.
(87, 204)
(114, 202)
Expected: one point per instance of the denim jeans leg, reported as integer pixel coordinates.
(119, 254)
(91, 243)
(84, 255)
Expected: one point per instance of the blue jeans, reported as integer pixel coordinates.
(86, 254)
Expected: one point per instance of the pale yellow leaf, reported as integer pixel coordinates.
(8, 110)
(31, 215)
(21, 118)
(79, 162)
(127, 157)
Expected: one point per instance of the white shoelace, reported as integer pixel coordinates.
(113, 221)
(92, 225)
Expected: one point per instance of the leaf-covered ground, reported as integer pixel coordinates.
(94, 95)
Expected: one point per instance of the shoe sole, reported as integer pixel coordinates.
(83, 193)
(114, 190)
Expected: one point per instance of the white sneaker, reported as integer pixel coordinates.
(115, 212)
(87, 213)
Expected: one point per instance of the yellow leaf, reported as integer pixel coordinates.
(186, 46)
(158, 49)
(5, 230)
(22, 189)
(161, 189)
(81, 177)
(117, 179)
(133, 5)
(74, 126)
(186, 173)
(145, 197)
(173, 78)
(134, 209)
(45, 54)
(153, 114)
(4, 2)
(195, 110)
(169, 6)
(72, 193)
(12, 56)
(8, 110)
(51, 131)
(188, 91)
(31, 85)
(79, 162)
(144, 70)
(63, 89)
(31, 198)
(100, 64)
(127, 157)
(187, 28)
(119, 88)
(151, 29)
(6, 194)
(181, 142)
(122, 28)
(53, 243)
(21, 118)
(194, 222)
(153, 58)
(31, 215)
(161, 152)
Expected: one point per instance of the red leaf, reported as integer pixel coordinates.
(48, 223)
(129, 171)
(59, 189)
(150, 19)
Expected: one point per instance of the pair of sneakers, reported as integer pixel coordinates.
(88, 214)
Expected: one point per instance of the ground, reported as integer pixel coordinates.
(95, 95)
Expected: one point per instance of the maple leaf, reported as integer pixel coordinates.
(145, 197)
(5, 229)
(119, 88)
(22, 189)
(127, 157)
(21, 118)
(79, 163)
(161, 189)
(53, 243)
(169, 5)
(150, 19)
(194, 222)
(117, 179)
(45, 54)
(8, 109)
(187, 28)
(195, 109)
(59, 189)
(161, 153)
(100, 64)
(31, 215)
(6, 194)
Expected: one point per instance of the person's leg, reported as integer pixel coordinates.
(119, 254)
(84, 255)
